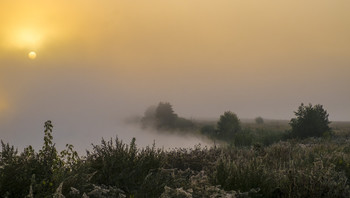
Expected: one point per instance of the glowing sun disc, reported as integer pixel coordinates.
(32, 55)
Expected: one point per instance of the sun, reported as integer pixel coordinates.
(32, 55)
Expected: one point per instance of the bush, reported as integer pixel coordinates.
(228, 125)
(124, 166)
(311, 121)
(42, 172)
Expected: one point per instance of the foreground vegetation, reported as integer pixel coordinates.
(308, 159)
(311, 167)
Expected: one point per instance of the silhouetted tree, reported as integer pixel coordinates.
(149, 118)
(165, 115)
(310, 121)
(228, 125)
(259, 120)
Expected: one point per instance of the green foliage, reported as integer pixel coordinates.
(228, 125)
(195, 159)
(9, 164)
(250, 134)
(48, 161)
(311, 167)
(41, 172)
(117, 164)
(244, 138)
(285, 170)
(310, 121)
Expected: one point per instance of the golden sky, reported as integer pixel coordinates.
(114, 57)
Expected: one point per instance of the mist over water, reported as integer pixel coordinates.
(82, 135)
(162, 139)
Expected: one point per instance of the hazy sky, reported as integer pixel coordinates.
(100, 61)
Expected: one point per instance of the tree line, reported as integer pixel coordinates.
(310, 121)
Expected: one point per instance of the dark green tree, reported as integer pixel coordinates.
(310, 121)
(228, 125)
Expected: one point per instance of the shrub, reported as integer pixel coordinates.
(41, 172)
(310, 121)
(124, 166)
